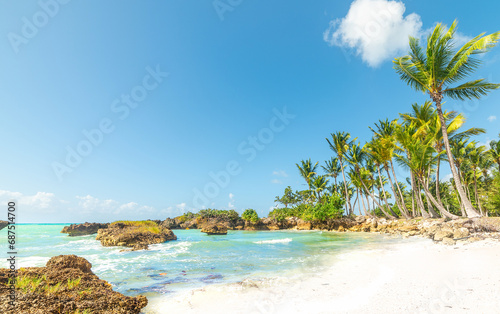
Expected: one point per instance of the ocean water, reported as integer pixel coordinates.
(195, 260)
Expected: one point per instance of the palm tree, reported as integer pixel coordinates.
(495, 152)
(307, 170)
(428, 123)
(433, 70)
(341, 141)
(407, 135)
(424, 157)
(476, 157)
(385, 143)
(332, 168)
(319, 183)
(356, 157)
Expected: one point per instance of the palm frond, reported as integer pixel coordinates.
(409, 73)
(471, 90)
(462, 64)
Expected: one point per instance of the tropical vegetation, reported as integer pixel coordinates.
(397, 173)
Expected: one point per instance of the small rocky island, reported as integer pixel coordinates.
(65, 285)
(214, 229)
(83, 229)
(134, 234)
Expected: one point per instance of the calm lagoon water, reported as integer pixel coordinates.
(195, 259)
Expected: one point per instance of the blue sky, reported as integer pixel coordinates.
(207, 77)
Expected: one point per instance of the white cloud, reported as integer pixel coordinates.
(460, 39)
(91, 205)
(492, 118)
(42, 202)
(47, 207)
(376, 29)
(230, 205)
(276, 181)
(447, 178)
(280, 173)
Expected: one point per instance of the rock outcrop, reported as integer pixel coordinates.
(171, 223)
(65, 285)
(214, 229)
(135, 234)
(3, 224)
(83, 229)
(441, 230)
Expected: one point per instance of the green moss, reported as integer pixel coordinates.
(73, 283)
(141, 226)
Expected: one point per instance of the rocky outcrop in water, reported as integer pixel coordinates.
(65, 285)
(136, 235)
(214, 229)
(3, 224)
(83, 229)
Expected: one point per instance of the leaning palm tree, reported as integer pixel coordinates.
(424, 157)
(386, 144)
(426, 119)
(357, 156)
(434, 69)
(340, 143)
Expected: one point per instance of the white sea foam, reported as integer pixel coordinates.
(286, 240)
(32, 261)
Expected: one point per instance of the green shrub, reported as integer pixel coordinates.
(332, 209)
(279, 214)
(250, 215)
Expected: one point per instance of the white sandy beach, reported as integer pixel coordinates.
(414, 277)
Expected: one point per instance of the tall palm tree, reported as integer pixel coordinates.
(307, 170)
(386, 144)
(427, 120)
(340, 143)
(407, 135)
(434, 69)
(356, 157)
(332, 168)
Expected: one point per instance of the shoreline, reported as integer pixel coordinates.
(414, 276)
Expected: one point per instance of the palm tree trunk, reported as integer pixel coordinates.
(434, 214)
(471, 212)
(416, 194)
(354, 205)
(399, 190)
(413, 203)
(385, 200)
(363, 202)
(381, 184)
(368, 205)
(396, 196)
(348, 201)
(439, 206)
(438, 195)
(476, 194)
(374, 200)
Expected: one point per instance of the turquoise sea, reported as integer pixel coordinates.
(195, 259)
